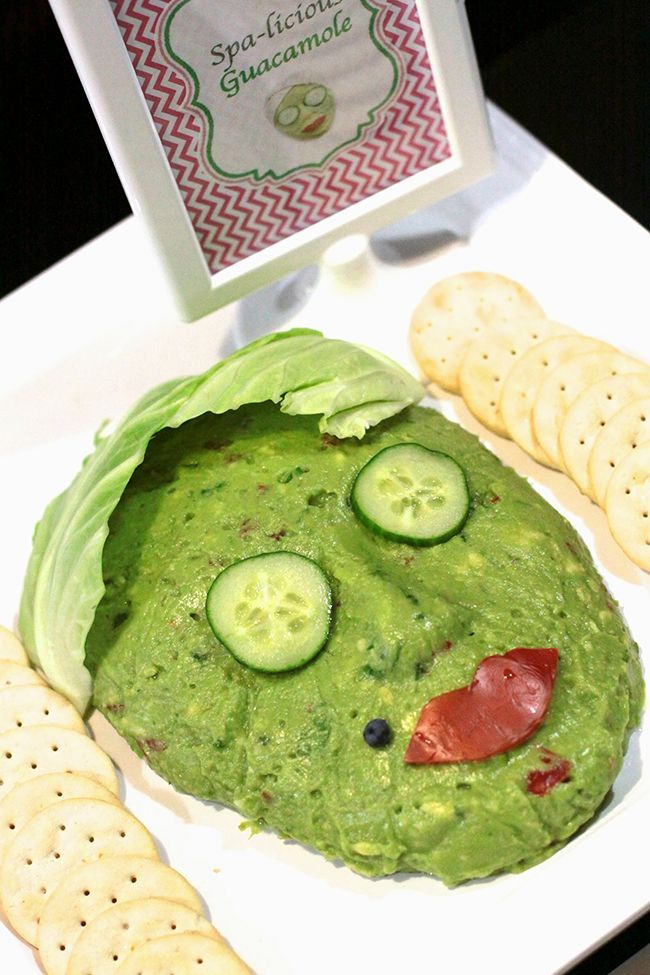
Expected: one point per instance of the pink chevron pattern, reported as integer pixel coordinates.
(234, 219)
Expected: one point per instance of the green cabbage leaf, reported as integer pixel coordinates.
(350, 387)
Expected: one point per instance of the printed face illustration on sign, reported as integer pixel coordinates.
(280, 87)
(304, 111)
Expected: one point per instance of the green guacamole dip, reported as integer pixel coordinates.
(287, 750)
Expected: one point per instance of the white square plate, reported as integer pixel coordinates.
(80, 343)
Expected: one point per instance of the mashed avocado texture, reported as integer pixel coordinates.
(288, 749)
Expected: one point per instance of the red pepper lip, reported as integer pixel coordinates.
(500, 708)
(316, 124)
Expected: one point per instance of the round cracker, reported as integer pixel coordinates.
(563, 386)
(26, 753)
(114, 934)
(490, 357)
(93, 889)
(456, 310)
(28, 798)
(11, 648)
(627, 505)
(524, 379)
(183, 954)
(55, 841)
(589, 414)
(31, 704)
(623, 432)
(13, 674)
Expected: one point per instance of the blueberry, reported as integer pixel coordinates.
(377, 733)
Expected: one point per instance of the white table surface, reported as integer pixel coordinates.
(80, 342)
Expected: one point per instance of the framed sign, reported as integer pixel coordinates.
(250, 135)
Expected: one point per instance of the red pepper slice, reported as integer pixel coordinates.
(541, 781)
(505, 703)
(316, 124)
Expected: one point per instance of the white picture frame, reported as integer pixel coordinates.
(95, 42)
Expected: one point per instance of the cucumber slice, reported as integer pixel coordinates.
(411, 494)
(272, 611)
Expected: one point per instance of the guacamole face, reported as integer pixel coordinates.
(288, 750)
(305, 112)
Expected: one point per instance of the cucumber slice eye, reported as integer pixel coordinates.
(272, 611)
(409, 493)
(315, 96)
(288, 115)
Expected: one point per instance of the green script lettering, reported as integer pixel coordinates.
(231, 80)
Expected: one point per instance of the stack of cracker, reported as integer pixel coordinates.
(572, 402)
(80, 877)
